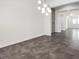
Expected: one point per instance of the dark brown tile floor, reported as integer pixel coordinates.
(62, 46)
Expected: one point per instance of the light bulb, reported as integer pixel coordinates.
(39, 8)
(45, 5)
(43, 10)
(46, 14)
(49, 10)
(39, 2)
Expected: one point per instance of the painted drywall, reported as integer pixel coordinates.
(19, 21)
(48, 24)
(58, 19)
(64, 22)
(61, 22)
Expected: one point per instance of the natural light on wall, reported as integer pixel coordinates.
(76, 21)
(43, 7)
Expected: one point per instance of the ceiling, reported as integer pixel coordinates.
(72, 6)
(56, 3)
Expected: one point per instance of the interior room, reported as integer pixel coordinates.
(39, 29)
(67, 18)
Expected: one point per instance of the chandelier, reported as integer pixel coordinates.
(43, 7)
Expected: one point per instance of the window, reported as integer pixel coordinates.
(78, 20)
(74, 21)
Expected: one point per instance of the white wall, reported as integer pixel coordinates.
(64, 22)
(19, 20)
(48, 24)
(58, 19)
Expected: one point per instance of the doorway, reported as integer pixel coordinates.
(74, 21)
(64, 18)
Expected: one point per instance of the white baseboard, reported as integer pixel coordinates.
(15, 42)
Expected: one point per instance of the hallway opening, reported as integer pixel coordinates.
(66, 18)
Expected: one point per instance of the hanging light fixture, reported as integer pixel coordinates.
(43, 7)
(49, 10)
(39, 8)
(46, 14)
(39, 1)
(43, 10)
